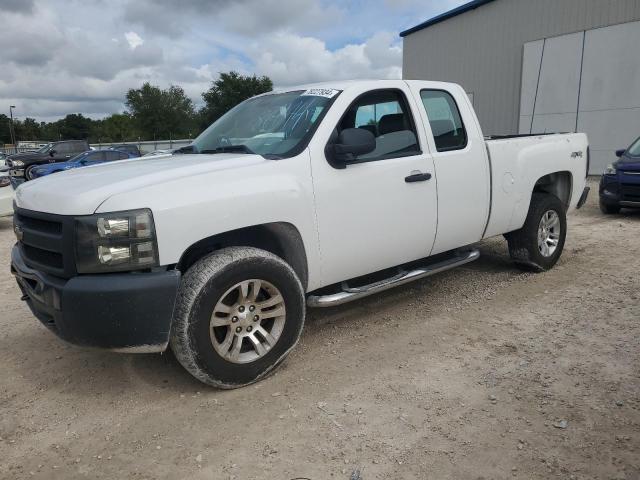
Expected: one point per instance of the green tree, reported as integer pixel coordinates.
(51, 131)
(74, 126)
(117, 127)
(228, 91)
(28, 129)
(158, 113)
(5, 132)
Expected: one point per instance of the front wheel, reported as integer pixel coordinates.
(28, 173)
(239, 313)
(537, 246)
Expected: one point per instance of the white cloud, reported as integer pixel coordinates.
(133, 39)
(70, 56)
(289, 59)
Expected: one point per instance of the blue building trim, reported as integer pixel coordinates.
(447, 15)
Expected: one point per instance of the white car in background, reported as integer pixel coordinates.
(6, 195)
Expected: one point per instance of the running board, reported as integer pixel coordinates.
(349, 294)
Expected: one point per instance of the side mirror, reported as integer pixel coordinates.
(351, 143)
(52, 153)
(619, 153)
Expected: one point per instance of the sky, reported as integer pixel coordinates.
(81, 56)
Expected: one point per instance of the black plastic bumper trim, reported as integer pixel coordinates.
(583, 198)
(123, 311)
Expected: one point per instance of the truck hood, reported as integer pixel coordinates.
(80, 191)
(29, 157)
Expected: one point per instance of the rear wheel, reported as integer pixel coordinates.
(609, 209)
(239, 313)
(537, 246)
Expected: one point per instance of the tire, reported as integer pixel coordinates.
(206, 309)
(609, 209)
(27, 172)
(526, 250)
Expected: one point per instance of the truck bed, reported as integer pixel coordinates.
(521, 135)
(519, 163)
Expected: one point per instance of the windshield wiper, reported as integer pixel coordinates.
(230, 149)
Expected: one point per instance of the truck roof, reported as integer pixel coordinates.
(347, 84)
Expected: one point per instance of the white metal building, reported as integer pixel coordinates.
(533, 66)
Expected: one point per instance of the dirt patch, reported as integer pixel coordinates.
(480, 372)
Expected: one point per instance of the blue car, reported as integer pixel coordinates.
(90, 157)
(620, 183)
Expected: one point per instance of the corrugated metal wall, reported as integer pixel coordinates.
(482, 49)
(586, 81)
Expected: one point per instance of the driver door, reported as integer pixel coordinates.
(380, 211)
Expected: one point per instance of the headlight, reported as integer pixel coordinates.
(610, 170)
(116, 242)
(17, 163)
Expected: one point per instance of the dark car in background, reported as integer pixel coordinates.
(620, 183)
(132, 150)
(85, 159)
(21, 164)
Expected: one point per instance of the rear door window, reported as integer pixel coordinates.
(97, 156)
(111, 155)
(445, 120)
(63, 149)
(76, 147)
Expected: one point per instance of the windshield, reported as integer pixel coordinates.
(634, 150)
(44, 148)
(274, 125)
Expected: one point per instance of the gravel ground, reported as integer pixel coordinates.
(481, 372)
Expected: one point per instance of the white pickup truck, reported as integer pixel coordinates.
(312, 196)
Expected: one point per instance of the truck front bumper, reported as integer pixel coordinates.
(620, 190)
(128, 312)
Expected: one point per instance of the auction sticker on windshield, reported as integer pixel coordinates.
(321, 92)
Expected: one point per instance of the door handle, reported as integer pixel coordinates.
(417, 177)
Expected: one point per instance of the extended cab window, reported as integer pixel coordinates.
(444, 119)
(384, 113)
(75, 147)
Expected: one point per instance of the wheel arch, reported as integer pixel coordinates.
(280, 238)
(559, 184)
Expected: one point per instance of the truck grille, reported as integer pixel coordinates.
(47, 242)
(630, 192)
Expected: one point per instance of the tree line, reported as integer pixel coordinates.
(152, 113)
